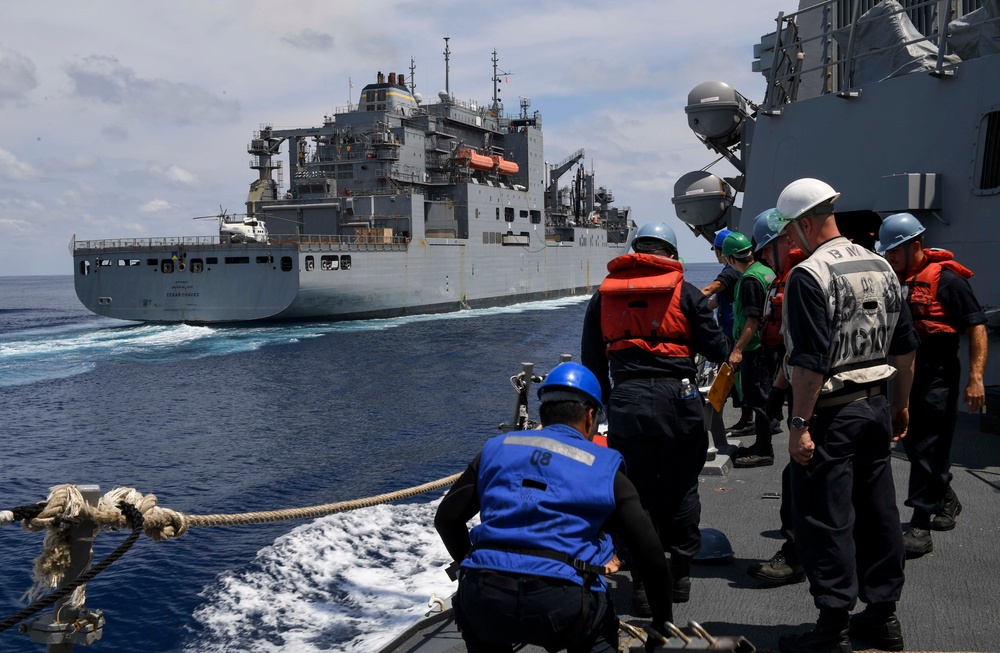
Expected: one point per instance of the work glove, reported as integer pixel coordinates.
(775, 403)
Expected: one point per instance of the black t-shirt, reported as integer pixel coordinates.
(964, 311)
(753, 295)
(811, 331)
(728, 278)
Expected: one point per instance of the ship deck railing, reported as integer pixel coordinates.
(315, 242)
(786, 60)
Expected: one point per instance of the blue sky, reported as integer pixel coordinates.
(127, 119)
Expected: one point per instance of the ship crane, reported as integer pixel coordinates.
(557, 171)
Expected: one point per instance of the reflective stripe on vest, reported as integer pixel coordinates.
(929, 314)
(862, 311)
(641, 306)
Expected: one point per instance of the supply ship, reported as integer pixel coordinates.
(394, 206)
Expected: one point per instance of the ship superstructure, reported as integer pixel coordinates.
(393, 206)
(896, 105)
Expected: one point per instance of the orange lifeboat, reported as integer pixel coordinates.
(505, 167)
(476, 161)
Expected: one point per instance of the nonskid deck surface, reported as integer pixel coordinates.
(949, 600)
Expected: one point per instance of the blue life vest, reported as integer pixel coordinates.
(550, 489)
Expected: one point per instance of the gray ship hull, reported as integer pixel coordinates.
(185, 280)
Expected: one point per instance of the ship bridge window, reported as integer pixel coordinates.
(167, 266)
(524, 213)
(265, 260)
(237, 260)
(212, 260)
(508, 213)
(988, 166)
(329, 263)
(128, 262)
(310, 263)
(152, 261)
(105, 262)
(84, 268)
(536, 216)
(345, 262)
(197, 265)
(286, 264)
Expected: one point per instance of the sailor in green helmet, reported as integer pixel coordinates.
(746, 358)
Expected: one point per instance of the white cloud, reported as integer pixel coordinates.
(155, 206)
(14, 169)
(17, 76)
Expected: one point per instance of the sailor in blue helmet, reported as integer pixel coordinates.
(532, 570)
(641, 331)
(721, 297)
(944, 308)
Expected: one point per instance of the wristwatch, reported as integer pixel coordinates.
(799, 422)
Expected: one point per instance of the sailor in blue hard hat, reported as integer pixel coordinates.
(642, 328)
(532, 571)
(944, 308)
(720, 298)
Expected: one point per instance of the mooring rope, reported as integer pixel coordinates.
(124, 506)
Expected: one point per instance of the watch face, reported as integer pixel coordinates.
(799, 423)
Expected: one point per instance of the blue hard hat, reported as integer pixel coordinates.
(897, 229)
(714, 545)
(763, 233)
(720, 237)
(656, 231)
(571, 382)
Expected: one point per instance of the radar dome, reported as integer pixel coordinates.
(701, 199)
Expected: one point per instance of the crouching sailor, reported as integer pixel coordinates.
(532, 570)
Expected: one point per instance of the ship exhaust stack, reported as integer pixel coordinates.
(704, 203)
(717, 114)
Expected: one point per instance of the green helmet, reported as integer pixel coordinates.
(736, 244)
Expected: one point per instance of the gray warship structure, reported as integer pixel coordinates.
(896, 105)
(394, 206)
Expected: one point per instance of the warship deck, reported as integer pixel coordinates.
(949, 601)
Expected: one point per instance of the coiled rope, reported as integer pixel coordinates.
(125, 506)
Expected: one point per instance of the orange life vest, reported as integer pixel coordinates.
(641, 306)
(770, 328)
(929, 315)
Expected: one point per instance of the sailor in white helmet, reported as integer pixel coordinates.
(847, 332)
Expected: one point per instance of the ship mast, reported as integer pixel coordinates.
(447, 55)
(497, 76)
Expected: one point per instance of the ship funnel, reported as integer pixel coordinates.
(716, 112)
(702, 201)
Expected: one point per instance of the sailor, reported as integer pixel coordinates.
(720, 294)
(783, 567)
(844, 320)
(943, 307)
(746, 358)
(549, 499)
(641, 330)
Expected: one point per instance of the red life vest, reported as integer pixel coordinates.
(770, 328)
(641, 306)
(929, 315)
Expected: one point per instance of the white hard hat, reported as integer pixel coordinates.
(800, 197)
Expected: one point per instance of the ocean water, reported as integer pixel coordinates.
(228, 420)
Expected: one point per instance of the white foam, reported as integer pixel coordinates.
(348, 583)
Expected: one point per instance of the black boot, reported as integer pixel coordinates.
(831, 635)
(879, 626)
(680, 569)
(744, 426)
(754, 456)
(945, 520)
(917, 538)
